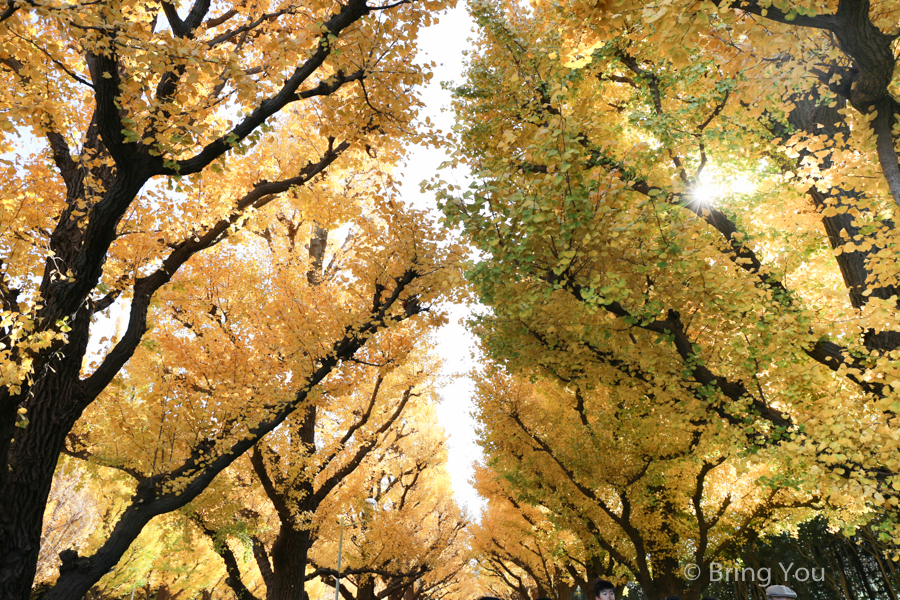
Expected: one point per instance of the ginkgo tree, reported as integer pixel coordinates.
(642, 485)
(138, 136)
(407, 538)
(520, 549)
(231, 342)
(593, 129)
(370, 436)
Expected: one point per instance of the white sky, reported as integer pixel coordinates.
(444, 43)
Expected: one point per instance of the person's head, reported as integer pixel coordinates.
(780, 592)
(604, 590)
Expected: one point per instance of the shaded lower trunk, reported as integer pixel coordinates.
(666, 580)
(366, 589)
(660, 588)
(33, 455)
(290, 551)
(289, 557)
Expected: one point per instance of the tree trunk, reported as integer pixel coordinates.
(289, 556)
(863, 572)
(52, 412)
(665, 584)
(816, 119)
(563, 589)
(366, 590)
(410, 592)
(291, 548)
(57, 398)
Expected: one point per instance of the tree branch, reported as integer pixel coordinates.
(349, 14)
(276, 497)
(144, 287)
(773, 13)
(185, 29)
(164, 493)
(220, 545)
(364, 449)
(262, 562)
(69, 449)
(104, 71)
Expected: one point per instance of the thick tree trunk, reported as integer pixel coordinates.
(57, 398)
(663, 586)
(563, 590)
(366, 590)
(52, 411)
(666, 580)
(23, 500)
(410, 592)
(289, 556)
(291, 548)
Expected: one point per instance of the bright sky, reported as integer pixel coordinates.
(444, 43)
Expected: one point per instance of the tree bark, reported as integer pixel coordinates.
(289, 557)
(813, 118)
(52, 411)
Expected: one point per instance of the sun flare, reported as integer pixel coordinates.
(714, 187)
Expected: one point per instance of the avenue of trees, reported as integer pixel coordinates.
(219, 320)
(217, 179)
(684, 221)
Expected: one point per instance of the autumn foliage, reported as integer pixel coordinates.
(218, 181)
(684, 216)
(219, 311)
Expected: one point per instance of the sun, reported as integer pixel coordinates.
(713, 187)
(706, 190)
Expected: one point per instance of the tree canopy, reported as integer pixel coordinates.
(688, 207)
(154, 134)
(217, 306)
